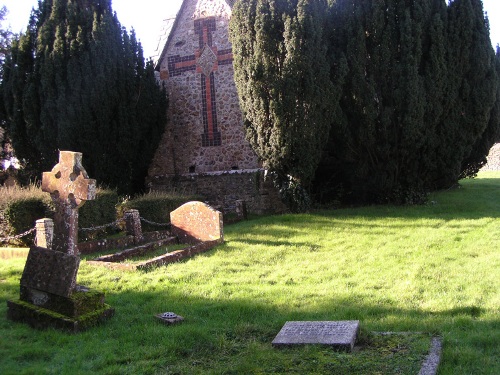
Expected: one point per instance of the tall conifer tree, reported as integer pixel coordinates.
(417, 98)
(282, 77)
(5, 43)
(5, 35)
(84, 86)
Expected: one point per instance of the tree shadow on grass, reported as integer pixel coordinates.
(224, 335)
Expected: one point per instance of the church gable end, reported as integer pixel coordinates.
(205, 130)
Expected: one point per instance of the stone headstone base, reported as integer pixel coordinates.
(81, 302)
(82, 310)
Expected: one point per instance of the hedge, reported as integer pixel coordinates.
(21, 207)
(156, 207)
(21, 216)
(98, 212)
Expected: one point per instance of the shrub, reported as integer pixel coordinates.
(9, 194)
(22, 214)
(156, 207)
(97, 213)
(21, 207)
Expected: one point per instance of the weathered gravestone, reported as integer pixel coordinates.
(337, 334)
(49, 295)
(196, 222)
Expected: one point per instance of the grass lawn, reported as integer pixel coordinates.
(433, 269)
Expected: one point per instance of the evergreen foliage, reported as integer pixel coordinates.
(412, 89)
(5, 35)
(76, 80)
(282, 77)
(5, 41)
(418, 100)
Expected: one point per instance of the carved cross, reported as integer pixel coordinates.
(206, 61)
(69, 187)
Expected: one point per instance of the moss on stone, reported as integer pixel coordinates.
(94, 318)
(89, 300)
(39, 317)
(41, 310)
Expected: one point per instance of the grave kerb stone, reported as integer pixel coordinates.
(133, 225)
(44, 233)
(241, 210)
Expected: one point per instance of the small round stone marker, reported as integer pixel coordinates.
(169, 315)
(169, 318)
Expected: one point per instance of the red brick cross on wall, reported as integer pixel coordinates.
(206, 60)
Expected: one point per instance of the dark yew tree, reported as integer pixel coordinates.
(18, 62)
(413, 94)
(372, 153)
(5, 41)
(76, 80)
(477, 157)
(475, 114)
(417, 98)
(282, 77)
(5, 35)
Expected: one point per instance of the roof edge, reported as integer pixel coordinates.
(169, 38)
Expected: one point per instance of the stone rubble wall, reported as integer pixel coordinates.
(223, 189)
(181, 149)
(493, 159)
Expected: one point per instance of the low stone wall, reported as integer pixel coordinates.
(493, 159)
(222, 189)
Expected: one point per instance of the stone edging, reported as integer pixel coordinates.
(431, 363)
(432, 360)
(165, 259)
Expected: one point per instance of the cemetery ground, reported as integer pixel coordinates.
(433, 269)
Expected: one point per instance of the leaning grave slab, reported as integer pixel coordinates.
(194, 223)
(49, 295)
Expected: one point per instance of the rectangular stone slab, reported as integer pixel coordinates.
(81, 302)
(50, 271)
(339, 334)
(40, 318)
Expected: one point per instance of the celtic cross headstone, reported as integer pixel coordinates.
(69, 187)
(49, 296)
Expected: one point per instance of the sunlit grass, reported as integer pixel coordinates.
(432, 269)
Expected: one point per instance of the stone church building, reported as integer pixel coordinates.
(203, 149)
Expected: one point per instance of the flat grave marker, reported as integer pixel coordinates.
(338, 334)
